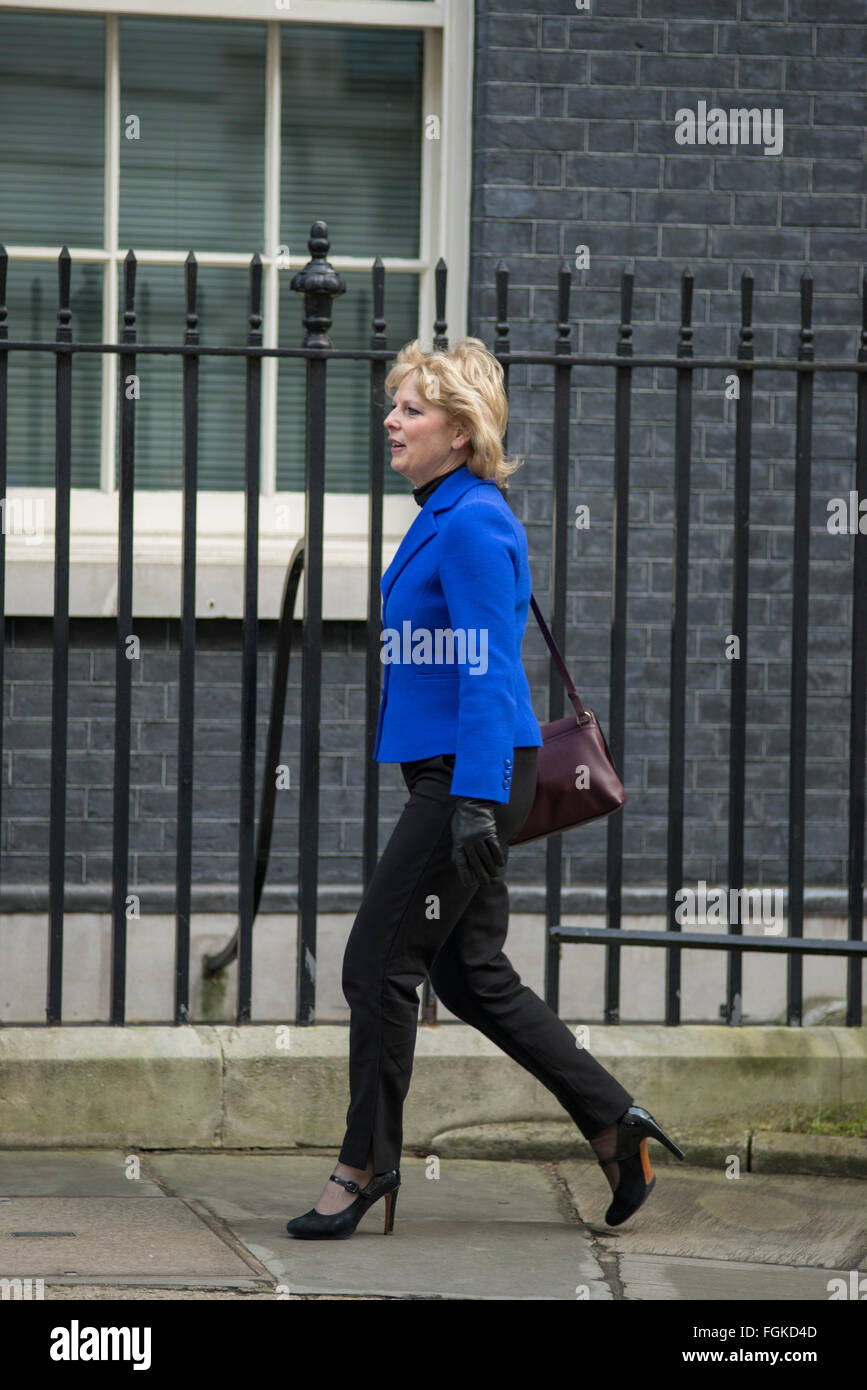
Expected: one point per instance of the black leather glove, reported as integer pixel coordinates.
(476, 849)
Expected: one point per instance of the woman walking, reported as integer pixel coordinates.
(456, 714)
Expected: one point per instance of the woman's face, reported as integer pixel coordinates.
(427, 437)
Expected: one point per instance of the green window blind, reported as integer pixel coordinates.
(195, 177)
(193, 180)
(31, 296)
(52, 113)
(51, 193)
(222, 305)
(351, 139)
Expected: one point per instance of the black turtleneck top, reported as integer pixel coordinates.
(421, 494)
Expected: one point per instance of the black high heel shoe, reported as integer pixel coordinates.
(634, 1128)
(340, 1225)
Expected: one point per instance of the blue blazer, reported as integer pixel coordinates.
(455, 603)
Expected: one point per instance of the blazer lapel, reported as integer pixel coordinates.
(425, 525)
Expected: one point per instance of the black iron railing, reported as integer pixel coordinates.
(320, 285)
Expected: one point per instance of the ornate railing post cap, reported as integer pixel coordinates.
(317, 274)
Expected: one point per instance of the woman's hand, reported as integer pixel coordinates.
(476, 848)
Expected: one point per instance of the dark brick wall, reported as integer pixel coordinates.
(216, 773)
(574, 145)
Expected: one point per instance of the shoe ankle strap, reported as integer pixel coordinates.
(350, 1185)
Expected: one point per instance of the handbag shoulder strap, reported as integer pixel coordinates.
(561, 665)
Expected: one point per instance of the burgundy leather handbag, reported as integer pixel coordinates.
(576, 782)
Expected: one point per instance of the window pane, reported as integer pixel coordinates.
(194, 177)
(32, 299)
(347, 411)
(51, 114)
(356, 166)
(351, 138)
(223, 304)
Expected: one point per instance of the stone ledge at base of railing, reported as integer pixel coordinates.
(285, 1087)
(704, 1145)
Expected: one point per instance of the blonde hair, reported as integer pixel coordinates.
(467, 382)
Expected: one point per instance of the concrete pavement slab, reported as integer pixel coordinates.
(283, 1186)
(113, 1238)
(477, 1260)
(213, 1225)
(658, 1278)
(755, 1218)
(237, 1186)
(72, 1172)
(478, 1230)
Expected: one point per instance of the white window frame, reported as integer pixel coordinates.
(446, 173)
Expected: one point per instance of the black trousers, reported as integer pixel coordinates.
(416, 918)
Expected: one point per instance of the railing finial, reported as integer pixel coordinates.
(440, 341)
(624, 332)
(319, 283)
(501, 339)
(805, 337)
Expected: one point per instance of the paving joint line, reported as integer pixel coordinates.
(604, 1257)
(224, 1233)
